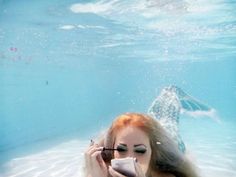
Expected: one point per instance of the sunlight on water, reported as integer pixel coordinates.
(67, 67)
(66, 160)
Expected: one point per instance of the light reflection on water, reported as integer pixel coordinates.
(67, 160)
(59, 36)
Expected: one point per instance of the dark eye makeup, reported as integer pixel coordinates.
(140, 150)
(121, 148)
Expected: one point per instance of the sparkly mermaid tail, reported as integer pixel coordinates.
(168, 106)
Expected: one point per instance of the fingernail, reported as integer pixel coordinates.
(91, 142)
(100, 148)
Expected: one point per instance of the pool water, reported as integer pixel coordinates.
(67, 68)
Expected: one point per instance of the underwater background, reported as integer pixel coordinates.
(68, 68)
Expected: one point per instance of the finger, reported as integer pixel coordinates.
(100, 159)
(91, 146)
(97, 161)
(90, 160)
(95, 156)
(94, 149)
(87, 162)
(114, 173)
(96, 167)
(88, 155)
(91, 142)
(90, 152)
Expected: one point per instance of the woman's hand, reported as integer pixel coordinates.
(138, 169)
(95, 166)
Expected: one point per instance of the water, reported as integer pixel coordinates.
(67, 68)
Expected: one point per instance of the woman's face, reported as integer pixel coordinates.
(133, 142)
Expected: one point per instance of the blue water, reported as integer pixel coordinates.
(67, 68)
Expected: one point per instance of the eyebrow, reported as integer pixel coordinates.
(139, 145)
(122, 144)
(136, 145)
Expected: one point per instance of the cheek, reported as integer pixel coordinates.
(144, 161)
(119, 155)
(116, 155)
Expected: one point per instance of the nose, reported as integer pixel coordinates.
(131, 154)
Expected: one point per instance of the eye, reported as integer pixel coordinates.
(140, 150)
(121, 148)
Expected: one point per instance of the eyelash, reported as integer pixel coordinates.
(140, 151)
(122, 150)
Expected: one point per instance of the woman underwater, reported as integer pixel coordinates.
(142, 137)
(149, 139)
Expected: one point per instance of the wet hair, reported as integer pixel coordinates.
(165, 157)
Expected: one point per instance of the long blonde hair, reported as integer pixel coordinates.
(165, 158)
